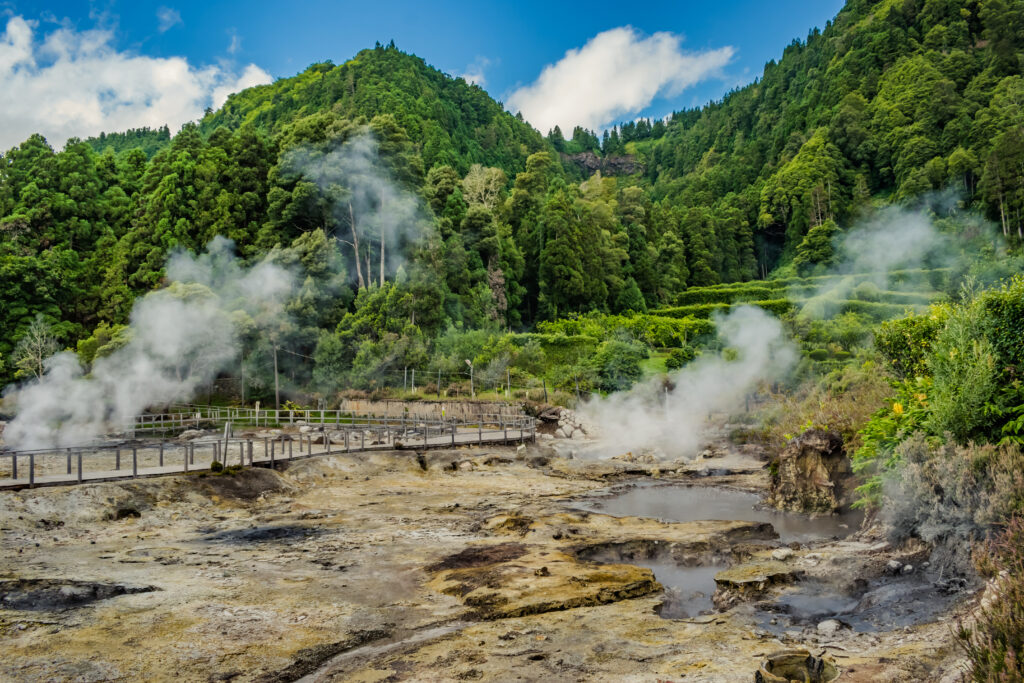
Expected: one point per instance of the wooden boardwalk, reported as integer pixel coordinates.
(141, 459)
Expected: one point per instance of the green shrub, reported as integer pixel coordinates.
(818, 354)
(867, 291)
(883, 432)
(1003, 311)
(216, 466)
(957, 494)
(995, 642)
(679, 357)
(966, 376)
(617, 365)
(559, 349)
(906, 343)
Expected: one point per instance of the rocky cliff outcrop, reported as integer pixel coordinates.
(812, 474)
(625, 164)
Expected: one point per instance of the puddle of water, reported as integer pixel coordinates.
(683, 503)
(688, 590)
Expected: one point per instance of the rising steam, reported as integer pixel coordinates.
(372, 212)
(180, 338)
(895, 238)
(674, 423)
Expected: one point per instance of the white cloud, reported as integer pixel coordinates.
(616, 74)
(474, 73)
(168, 18)
(77, 84)
(236, 43)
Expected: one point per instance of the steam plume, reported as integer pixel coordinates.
(675, 423)
(362, 191)
(180, 338)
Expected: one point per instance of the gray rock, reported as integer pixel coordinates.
(908, 569)
(829, 627)
(782, 554)
(894, 566)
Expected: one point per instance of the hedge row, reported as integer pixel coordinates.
(824, 307)
(703, 295)
(933, 277)
(819, 307)
(776, 306)
(660, 331)
(559, 349)
(723, 295)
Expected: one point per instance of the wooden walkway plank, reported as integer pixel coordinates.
(175, 464)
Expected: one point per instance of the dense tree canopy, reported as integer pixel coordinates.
(508, 227)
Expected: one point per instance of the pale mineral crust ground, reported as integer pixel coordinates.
(438, 566)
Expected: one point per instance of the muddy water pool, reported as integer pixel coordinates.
(880, 604)
(684, 503)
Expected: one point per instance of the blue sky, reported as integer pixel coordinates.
(506, 45)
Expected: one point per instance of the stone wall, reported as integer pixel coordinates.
(459, 409)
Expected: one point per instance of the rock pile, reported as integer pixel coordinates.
(812, 474)
(572, 426)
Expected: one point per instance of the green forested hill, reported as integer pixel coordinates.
(892, 99)
(451, 121)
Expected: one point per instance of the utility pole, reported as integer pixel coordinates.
(414, 380)
(472, 391)
(277, 384)
(508, 383)
(439, 382)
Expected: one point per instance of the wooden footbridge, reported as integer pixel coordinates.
(295, 434)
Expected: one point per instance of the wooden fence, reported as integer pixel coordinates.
(327, 432)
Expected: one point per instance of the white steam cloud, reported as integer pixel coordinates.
(675, 424)
(180, 338)
(896, 239)
(387, 216)
(617, 73)
(76, 84)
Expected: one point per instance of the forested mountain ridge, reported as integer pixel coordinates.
(451, 121)
(890, 100)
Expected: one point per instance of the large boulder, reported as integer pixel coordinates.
(812, 474)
